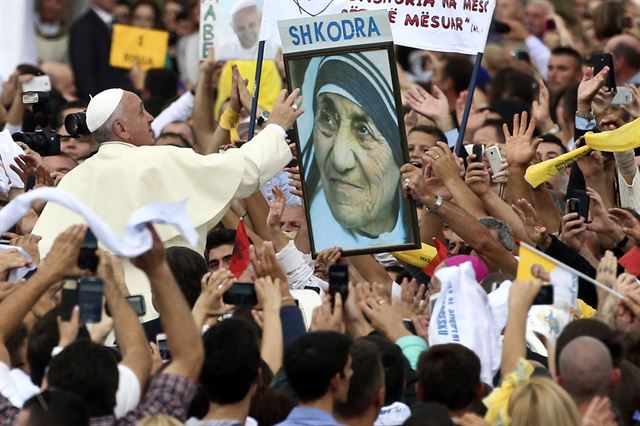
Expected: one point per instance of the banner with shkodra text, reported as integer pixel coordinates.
(351, 137)
(460, 26)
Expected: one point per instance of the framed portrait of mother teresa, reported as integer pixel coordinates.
(351, 145)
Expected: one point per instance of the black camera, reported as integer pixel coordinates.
(45, 141)
(76, 124)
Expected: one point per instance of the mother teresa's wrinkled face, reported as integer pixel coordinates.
(359, 175)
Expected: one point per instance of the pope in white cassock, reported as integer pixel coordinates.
(128, 172)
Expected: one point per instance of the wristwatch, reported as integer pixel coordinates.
(263, 118)
(586, 115)
(436, 205)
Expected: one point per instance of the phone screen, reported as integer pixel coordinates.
(69, 298)
(339, 281)
(163, 347)
(241, 294)
(138, 305)
(88, 258)
(90, 299)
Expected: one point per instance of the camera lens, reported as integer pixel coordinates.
(44, 141)
(76, 124)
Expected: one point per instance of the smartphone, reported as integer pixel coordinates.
(88, 258)
(163, 346)
(41, 83)
(241, 294)
(573, 205)
(90, 299)
(602, 60)
(624, 96)
(138, 304)
(583, 204)
(69, 298)
(494, 158)
(544, 296)
(339, 281)
(478, 151)
(502, 27)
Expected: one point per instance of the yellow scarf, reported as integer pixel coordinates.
(497, 402)
(622, 139)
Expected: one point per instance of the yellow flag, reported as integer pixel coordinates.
(529, 257)
(622, 139)
(132, 45)
(419, 258)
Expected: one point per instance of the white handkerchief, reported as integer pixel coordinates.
(136, 240)
(8, 151)
(16, 274)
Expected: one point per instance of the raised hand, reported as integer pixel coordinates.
(443, 162)
(295, 181)
(209, 304)
(325, 259)
(573, 231)
(62, 259)
(630, 225)
(435, 107)
(276, 208)
(265, 263)
(520, 147)
(327, 317)
(286, 110)
(413, 181)
(477, 177)
(589, 87)
(533, 226)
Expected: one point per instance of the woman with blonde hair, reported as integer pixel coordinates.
(542, 402)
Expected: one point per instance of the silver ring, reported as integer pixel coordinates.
(406, 182)
(435, 157)
(294, 107)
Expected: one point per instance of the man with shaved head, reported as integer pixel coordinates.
(585, 370)
(128, 172)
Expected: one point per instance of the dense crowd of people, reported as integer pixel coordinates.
(172, 347)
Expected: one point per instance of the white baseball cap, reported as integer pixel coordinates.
(102, 106)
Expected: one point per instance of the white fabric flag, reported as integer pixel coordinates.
(136, 240)
(460, 26)
(8, 151)
(462, 315)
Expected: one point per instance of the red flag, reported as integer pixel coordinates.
(443, 253)
(631, 261)
(240, 255)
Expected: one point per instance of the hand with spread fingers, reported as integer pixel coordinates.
(443, 161)
(328, 316)
(286, 110)
(630, 224)
(435, 107)
(533, 226)
(209, 305)
(520, 147)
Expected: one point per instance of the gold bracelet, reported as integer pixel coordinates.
(287, 298)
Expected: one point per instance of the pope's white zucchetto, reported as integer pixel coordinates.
(102, 106)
